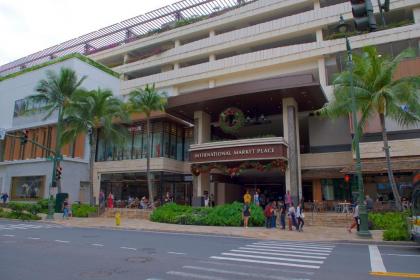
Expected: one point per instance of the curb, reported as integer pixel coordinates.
(341, 241)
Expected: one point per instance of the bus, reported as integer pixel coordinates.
(415, 228)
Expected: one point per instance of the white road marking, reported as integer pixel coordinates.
(266, 262)
(194, 276)
(238, 273)
(129, 248)
(9, 235)
(297, 245)
(320, 243)
(376, 262)
(284, 251)
(176, 253)
(279, 254)
(34, 238)
(289, 247)
(61, 241)
(272, 258)
(256, 268)
(402, 255)
(97, 244)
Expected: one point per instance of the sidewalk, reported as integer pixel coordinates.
(311, 233)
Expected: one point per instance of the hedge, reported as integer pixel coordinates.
(222, 215)
(394, 223)
(82, 210)
(22, 211)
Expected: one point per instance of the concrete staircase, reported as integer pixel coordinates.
(127, 213)
(328, 219)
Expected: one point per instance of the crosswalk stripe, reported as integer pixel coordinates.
(194, 275)
(257, 267)
(266, 262)
(300, 243)
(283, 251)
(272, 258)
(238, 273)
(290, 247)
(279, 254)
(295, 245)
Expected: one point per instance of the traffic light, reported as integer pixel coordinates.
(364, 18)
(347, 178)
(58, 172)
(24, 137)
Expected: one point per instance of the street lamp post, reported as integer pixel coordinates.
(364, 230)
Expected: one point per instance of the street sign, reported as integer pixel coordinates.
(2, 133)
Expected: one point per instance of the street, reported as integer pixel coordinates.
(31, 250)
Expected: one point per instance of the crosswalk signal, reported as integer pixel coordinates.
(24, 137)
(58, 172)
(364, 18)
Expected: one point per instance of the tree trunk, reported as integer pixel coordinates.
(388, 164)
(92, 143)
(149, 183)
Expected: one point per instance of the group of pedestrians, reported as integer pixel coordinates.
(283, 210)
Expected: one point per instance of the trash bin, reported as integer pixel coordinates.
(59, 199)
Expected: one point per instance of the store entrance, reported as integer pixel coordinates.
(269, 184)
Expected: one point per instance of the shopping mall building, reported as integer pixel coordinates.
(244, 79)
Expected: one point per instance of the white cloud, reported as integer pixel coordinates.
(28, 26)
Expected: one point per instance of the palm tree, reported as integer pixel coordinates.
(55, 92)
(377, 93)
(87, 113)
(146, 101)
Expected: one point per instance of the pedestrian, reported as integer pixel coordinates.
(292, 217)
(110, 200)
(212, 202)
(65, 208)
(369, 203)
(256, 198)
(355, 219)
(206, 200)
(300, 217)
(4, 197)
(268, 213)
(246, 213)
(288, 199)
(283, 216)
(274, 216)
(247, 197)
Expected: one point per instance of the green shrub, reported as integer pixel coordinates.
(394, 224)
(222, 215)
(82, 210)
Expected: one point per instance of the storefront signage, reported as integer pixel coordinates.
(133, 129)
(257, 152)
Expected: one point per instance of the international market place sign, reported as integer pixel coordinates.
(239, 153)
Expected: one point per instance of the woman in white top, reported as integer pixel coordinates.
(292, 216)
(299, 216)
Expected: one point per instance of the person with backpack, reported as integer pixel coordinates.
(268, 213)
(246, 213)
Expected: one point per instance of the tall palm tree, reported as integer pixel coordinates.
(87, 113)
(378, 93)
(146, 101)
(55, 92)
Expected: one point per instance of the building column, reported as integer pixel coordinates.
(316, 190)
(126, 58)
(317, 5)
(416, 14)
(291, 135)
(201, 183)
(212, 33)
(321, 72)
(96, 185)
(177, 43)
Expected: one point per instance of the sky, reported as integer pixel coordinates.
(28, 26)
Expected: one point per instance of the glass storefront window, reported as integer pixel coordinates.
(327, 189)
(166, 140)
(28, 187)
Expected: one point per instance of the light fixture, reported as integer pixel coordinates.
(342, 27)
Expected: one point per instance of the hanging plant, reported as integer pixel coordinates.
(231, 120)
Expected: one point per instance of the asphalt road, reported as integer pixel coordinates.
(49, 252)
